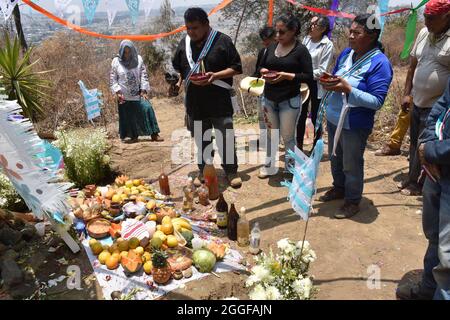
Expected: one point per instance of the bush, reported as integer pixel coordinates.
(9, 198)
(84, 152)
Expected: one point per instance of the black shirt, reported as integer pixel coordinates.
(209, 101)
(297, 61)
(261, 53)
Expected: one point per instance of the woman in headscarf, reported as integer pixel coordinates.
(129, 82)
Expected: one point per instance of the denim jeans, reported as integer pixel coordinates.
(264, 134)
(315, 103)
(436, 227)
(282, 116)
(417, 125)
(224, 135)
(347, 167)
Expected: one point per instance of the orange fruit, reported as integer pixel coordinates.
(172, 241)
(167, 228)
(112, 262)
(102, 257)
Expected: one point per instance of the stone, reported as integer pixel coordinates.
(23, 290)
(28, 233)
(10, 255)
(20, 246)
(9, 236)
(11, 273)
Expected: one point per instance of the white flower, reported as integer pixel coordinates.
(272, 293)
(303, 287)
(285, 246)
(261, 272)
(258, 293)
(306, 245)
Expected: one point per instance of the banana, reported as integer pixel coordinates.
(182, 223)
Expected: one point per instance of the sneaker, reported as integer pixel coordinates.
(347, 211)
(234, 180)
(388, 151)
(414, 291)
(332, 194)
(264, 172)
(199, 180)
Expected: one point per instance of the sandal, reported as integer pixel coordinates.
(411, 190)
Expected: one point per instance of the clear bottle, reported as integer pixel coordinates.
(187, 205)
(203, 195)
(189, 192)
(233, 218)
(243, 229)
(164, 186)
(255, 239)
(222, 212)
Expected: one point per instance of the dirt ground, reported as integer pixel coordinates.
(387, 233)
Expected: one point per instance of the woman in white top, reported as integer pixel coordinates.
(321, 49)
(129, 82)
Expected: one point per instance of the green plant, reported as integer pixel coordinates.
(84, 152)
(9, 198)
(21, 81)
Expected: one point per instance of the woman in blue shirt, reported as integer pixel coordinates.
(363, 75)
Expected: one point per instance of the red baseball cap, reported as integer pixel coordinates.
(437, 7)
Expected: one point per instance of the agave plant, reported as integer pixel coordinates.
(20, 81)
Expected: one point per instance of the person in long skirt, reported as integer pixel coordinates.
(129, 82)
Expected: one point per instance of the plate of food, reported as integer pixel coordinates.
(270, 75)
(199, 76)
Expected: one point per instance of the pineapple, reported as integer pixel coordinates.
(161, 271)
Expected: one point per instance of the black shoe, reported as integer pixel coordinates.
(347, 211)
(332, 194)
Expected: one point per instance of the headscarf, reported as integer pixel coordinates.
(437, 7)
(132, 61)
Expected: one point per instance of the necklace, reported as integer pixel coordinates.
(282, 52)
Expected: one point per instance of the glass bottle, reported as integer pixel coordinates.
(211, 181)
(243, 229)
(255, 239)
(189, 191)
(164, 183)
(233, 218)
(203, 195)
(222, 212)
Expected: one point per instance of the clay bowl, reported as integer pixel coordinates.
(270, 75)
(199, 77)
(98, 228)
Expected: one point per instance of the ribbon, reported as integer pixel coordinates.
(270, 16)
(334, 6)
(111, 12)
(411, 30)
(150, 37)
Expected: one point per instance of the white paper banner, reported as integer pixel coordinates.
(61, 6)
(7, 7)
(111, 10)
(148, 6)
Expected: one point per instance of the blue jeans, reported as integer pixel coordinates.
(282, 116)
(436, 227)
(264, 134)
(347, 167)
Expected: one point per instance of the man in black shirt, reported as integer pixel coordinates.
(208, 102)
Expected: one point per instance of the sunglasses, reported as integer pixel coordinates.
(281, 32)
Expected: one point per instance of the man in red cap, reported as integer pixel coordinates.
(431, 63)
(426, 81)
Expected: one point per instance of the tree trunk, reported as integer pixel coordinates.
(20, 34)
(240, 21)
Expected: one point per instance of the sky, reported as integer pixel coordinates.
(121, 4)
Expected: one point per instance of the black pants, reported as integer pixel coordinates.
(224, 135)
(315, 102)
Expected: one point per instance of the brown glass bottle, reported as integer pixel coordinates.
(211, 181)
(222, 212)
(164, 187)
(233, 218)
